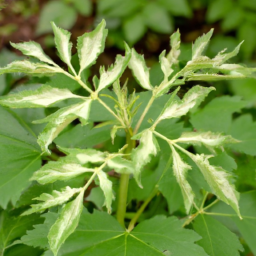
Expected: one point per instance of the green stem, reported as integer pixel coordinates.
(210, 205)
(144, 114)
(124, 184)
(141, 210)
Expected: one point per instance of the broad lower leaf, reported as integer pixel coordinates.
(60, 170)
(12, 228)
(91, 45)
(33, 49)
(60, 119)
(50, 200)
(206, 138)
(115, 71)
(66, 223)
(19, 157)
(176, 108)
(106, 186)
(63, 45)
(200, 44)
(140, 71)
(143, 153)
(246, 226)
(180, 169)
(44, 96)
(219, 180)
(30, 68)
(121, 165)
(216, 238)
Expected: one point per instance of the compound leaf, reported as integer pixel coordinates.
(91, 45)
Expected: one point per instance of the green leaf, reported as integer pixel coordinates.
(63, 45)
(219, 180)
(143, 153)
(140, 70)
(216, 238)
(66, 223)
(30, 68)
(12, 228)
(157, 18)
(19, 157)
(33, 49)
(50, 200)
(115, 71)
(134, 28)
(200, 44)
(246, 226)
(84, 7)
(244, 129)
(106, 186)
(209, 118)
(60, 170)
(180, 8)
(60, 119)
(176, 108)
(38, 236)
(91, 45)
(44, 96)
(206, 138)
(180, 169)
(57, 11)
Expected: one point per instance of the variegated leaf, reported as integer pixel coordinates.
(50, 200)
(91, 45)
(60, 119)
(115, 71)
(60, 170)
(200, 44)
(66, 223)
(33, 49)
(180, 169)
(121, 165)
(106, 186)
(140, 70)
(63, 45)
(165, 66)
(175, 108)
(219, 180)
(143, 153)
(44, 96)
(30, 68)
(206, 138)
(173, 55)
(84, 156)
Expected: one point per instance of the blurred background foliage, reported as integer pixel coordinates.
(147, 26)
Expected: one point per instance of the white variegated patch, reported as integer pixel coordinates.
(44, 96)
(33, 49)
(63, 44)
(173, 55)
(121, 165)
(50, 200)
(219, 180)
(180, 169)
(66, 223)
(90, 45)
(106, 186)
(60, 119)
(140, 70)
(206, 138)
(59, 171)
(143, 153)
